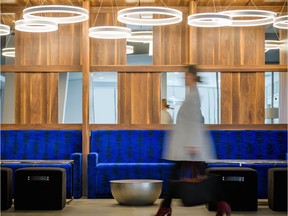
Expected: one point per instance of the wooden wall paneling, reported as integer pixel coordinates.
(36, 98)
(242, 98)
(139, 98)
(61, 47)
(231, 46)
(226, 50)
(107, 51)
(155, 95)
(52, 98)
(69, 39)
(226, 99)
(251, 98)
(170, 44)
(124, 98)
(192, 39)
(139, 95)
(283, 36)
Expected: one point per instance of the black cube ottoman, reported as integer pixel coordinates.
(239, 186)
(277, 189)
(6, 188)
(40, 188)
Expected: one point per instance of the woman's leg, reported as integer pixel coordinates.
(165, 206)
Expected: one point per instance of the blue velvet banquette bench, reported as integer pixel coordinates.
(136, 154)
(124, 154)
(46, 145)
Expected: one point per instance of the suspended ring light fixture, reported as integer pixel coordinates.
(4, 30)
(261, 17)
(281, 22)
(38, 12)
(109, 32)
(35, 25)
(209, 20)
(273, 44)
(144, 16)
(8, 52)
(129, 49)
(141, 36)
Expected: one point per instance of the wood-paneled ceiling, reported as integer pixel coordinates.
(8, 7)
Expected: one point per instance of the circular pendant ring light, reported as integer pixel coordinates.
(281, 22)
(134, 16)
(38, 12)
(4, 30)
(35, 25)
(141, 37)
(109, 32)
(8, 52)
(209, 20)
(260, 17)
(273, 44)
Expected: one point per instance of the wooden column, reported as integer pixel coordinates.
(192, 52)
(85, 97)
(283, 96)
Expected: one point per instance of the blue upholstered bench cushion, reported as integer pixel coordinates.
(128, 146)
(250, 144)
(40, 144)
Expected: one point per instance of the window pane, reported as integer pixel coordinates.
(70, 97)
(272, 97)
(103, 98)
(7, 42)
(173, 89)
(7, 98)
(141, 42)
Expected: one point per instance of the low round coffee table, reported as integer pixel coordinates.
(136, 191)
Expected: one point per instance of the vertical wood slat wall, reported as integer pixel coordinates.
(106, 51)
(37, 93)
(139, 98)
(215, 46)
(242, 94)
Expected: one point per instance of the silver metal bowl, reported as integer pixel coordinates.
(136, 191)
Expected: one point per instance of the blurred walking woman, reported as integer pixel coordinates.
(187, 145)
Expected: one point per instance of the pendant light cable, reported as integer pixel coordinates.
(281, 22)
(109, 32)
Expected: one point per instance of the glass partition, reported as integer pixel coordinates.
(271, 47)
(174, 91)
(7, 98)
(70, 97)
(103, 98)
(7, 50)
(140, 45)
(272, 97)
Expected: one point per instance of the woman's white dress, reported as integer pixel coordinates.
(189, 131)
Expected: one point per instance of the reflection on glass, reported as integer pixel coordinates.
(7, 42)
(103, 98)
(271, 55)
(7, 98)
(142, 42)
(272, 97)
(70, 97)
(173, 89)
